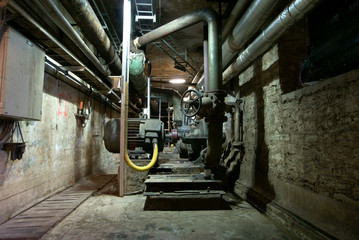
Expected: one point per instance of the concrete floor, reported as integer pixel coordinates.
(106, 216)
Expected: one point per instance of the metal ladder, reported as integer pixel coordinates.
(145, 15)
(182, 59)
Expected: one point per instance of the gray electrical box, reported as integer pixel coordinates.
(22, 66)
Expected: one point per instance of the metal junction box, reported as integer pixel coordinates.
(22, 66)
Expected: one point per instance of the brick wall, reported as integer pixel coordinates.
(301, 149)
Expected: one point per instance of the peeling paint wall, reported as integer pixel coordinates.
(301, 148)
(59, 151)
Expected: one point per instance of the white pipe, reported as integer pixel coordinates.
(291, 15)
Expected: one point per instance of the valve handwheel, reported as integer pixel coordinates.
(191, 102)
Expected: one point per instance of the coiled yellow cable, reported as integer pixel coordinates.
(144, 168)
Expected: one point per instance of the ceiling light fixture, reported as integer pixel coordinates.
(177, 81)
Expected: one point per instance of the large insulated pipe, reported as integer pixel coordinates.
(235, 13)
(51, 10)
(253, 19)
(83, 14)
(292, 14)
(204, 14)
(22, 12)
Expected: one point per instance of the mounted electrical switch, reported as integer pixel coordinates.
(22, 66)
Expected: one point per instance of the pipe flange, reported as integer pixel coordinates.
(136, 43)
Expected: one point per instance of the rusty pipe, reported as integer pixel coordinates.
(52, 11)
(82, 12)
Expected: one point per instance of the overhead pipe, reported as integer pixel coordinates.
(83, 14)
(214, 97)
(253, 19)
(23, 13)
(52, 11)
(204, 14)
(237, 10)
(287, 18)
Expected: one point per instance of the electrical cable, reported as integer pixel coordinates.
(148, 166)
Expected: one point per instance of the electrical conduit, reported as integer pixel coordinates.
(148, 166)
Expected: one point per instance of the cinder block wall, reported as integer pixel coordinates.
(301, 147)
(59, 151)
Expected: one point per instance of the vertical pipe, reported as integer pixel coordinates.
(169, 120)
(149, 97)
(148, 88)
(205, 56)
(124, 92)
(205, 14)
(159, 108)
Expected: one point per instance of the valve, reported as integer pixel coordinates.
(191, 102)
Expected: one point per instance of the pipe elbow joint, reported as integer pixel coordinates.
(208, 14)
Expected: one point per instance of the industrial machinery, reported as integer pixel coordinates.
(142, 133)
(194, 141)
(147, 134)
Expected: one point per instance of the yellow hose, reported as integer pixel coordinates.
(144, 168)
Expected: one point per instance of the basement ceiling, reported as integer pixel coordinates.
(187, 42)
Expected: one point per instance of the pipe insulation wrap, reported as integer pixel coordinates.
(82, 12)
(23, 13)
(287, 18)
(51, 10)
(137, 71)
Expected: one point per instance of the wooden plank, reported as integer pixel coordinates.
(36, 221)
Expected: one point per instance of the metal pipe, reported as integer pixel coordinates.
(205, 14)
(253, 19)
(292, 14)
(82, 12)
(237, 120)
(205, 57)
(149, 97)
(58, 18)
(22, 12)
(124, 96)
(148, 88)
(235, 13)
(159, 108)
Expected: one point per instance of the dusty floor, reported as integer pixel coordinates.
(106, 216)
